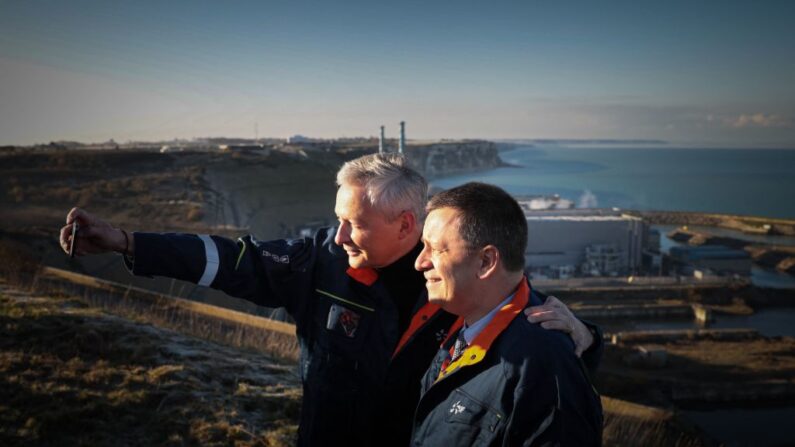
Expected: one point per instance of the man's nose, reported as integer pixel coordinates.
(423, 262)
(343, 234)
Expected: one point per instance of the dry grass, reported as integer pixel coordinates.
(72, 375)
(629, 424)
(706, 361)
(166, 312)
(17, 264)
(129, 187)
(20, 268)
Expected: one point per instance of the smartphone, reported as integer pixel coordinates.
(72, 242)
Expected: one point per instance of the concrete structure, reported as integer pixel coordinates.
(381, 141)
(717, 258)
(595, 242)
(402, 144)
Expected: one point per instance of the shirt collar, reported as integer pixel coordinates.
(470, 332)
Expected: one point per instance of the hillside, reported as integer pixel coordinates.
(164, 192)
(72, 374)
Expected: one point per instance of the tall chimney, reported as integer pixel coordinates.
(402, 144)
(381, 141)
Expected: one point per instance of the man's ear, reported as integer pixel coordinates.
(408, 223)
(489, 260)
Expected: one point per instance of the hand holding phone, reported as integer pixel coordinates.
(75, 227)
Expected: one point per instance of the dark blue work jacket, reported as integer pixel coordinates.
(516, 384)
(360, 375)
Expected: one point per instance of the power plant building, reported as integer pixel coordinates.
(584, 242)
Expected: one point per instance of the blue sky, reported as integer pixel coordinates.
(702, 73)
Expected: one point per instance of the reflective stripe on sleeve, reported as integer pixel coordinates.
(211, 254)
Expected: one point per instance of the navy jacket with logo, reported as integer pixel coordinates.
(516, 384)
(360, 375)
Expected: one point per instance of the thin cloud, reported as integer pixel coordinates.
(759, 120)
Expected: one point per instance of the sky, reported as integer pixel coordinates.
(704, 73)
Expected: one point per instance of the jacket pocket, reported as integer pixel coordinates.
(470, 421)
(342, 325)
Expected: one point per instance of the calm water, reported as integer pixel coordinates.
(736, 181)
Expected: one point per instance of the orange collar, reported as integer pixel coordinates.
(366, 276)
(417, 321)
(476, 350)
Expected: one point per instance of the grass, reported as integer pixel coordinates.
(166, 312)
(129, 187)
(630, 424)
(88, 367)
(71, 374)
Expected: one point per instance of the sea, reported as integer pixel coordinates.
(758, 182)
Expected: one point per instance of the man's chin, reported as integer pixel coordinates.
(358, 262)
(445, 304)
(436, 300)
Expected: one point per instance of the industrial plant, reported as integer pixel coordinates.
(564, 243)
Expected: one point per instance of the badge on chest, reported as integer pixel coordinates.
(342, 320)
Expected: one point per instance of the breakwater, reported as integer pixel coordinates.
(747, 224)
(781, 258)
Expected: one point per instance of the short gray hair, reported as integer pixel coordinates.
(390, 184)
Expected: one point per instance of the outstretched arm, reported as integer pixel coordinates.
(269, 273)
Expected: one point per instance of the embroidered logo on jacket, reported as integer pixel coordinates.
(457, 408)
(341, 319)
